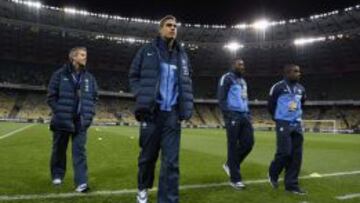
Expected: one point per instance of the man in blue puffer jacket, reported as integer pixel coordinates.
(233, 101)
(160, 79)
(72, 95)
(285, 104)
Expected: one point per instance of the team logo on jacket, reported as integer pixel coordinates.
(185, 67)
(87, 85)
(292, 106)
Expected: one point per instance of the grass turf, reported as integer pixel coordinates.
(112, 161)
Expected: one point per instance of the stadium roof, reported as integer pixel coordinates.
(228, 12)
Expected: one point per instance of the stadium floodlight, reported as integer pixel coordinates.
(70, 10)
(304, 41)
(261, 24)
(131, 40)
(241, 26)
(233, 46)
(32, 4)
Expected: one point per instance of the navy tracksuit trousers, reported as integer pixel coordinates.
(288, 153)
(240, 141)
(58, 155)
(160, 134)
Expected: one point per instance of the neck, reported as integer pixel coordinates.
(291, 82)
(77, 67)
(237, 73)
(169, 42)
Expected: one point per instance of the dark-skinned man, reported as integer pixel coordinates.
(233, 100)
(286, 100)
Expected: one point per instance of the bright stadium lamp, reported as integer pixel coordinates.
(70, 10)
(304, 41)
(261, 24)
(32, 4)
(233, 46)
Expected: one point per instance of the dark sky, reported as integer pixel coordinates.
(216, 12)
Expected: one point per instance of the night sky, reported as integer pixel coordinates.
(228, 12)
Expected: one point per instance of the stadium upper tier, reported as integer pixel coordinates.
(35, 39)
(345, 21)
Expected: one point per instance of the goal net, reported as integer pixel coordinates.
(322, 126)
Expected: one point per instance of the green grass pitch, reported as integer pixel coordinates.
(112, 161)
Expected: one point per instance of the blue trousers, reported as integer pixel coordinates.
(240, 141)
(58, 155)
(288, 153)
(161, 133)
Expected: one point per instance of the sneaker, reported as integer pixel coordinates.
(226, 169)
(238, 185)
(83, 188)
(297, 191)
(142, 196)
(273, 182)
(56, 181)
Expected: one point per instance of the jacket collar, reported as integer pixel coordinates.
(70, 68)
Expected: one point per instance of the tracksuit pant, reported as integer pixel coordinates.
(160, 134)
(58, 155)
(240, 141)
(288, 153)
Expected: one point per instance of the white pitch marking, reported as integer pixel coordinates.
(348, 196)
(133, 191)
(16, 131)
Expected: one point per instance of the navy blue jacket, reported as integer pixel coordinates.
(144, 79)
(63, 97)
(286, 100)
(232, 95)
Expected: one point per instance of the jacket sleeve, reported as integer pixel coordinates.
(272, 100)
(222, 92)
(96, 91)
(303, 98)
(134, 73)
(53, 91)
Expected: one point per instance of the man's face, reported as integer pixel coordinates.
(239, 66)
(80, 57)
(294, 74)
(169, 29)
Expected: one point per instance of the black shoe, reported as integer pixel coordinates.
(297, 191)
(273, 182)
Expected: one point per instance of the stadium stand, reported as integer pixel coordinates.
(34, 44)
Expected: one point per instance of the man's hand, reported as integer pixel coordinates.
(143, 114)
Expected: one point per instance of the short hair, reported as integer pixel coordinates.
(164, 19)
(288, 66)
(237, 59)
(73, 51)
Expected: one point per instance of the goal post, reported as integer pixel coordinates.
(322, 126)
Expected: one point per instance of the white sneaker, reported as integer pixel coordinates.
(226, 169)
(142, 196)
(238, 185)
(82, 188)
(57, 181)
